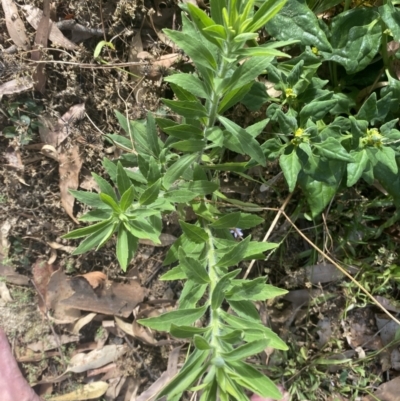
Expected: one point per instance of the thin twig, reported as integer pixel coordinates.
(267, 235)
(360, 286)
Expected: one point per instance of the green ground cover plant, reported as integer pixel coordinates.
(330, 125)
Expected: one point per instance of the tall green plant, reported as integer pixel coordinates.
(181, 172)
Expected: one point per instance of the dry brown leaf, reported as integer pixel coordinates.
(136, 47)
(16, 86)
(109, 371)
(95, 279)
(13, 156)
(83, 321)
(86, 392)
(5, 293)
(87, 181)
(97, 358)
(70, 166)
(41, 37)
(66, 248)
(15, 26)
(163, 380)
(55, 134)
(137, 331)
(33, 15)
(49, 342)
(118, 299)
(115, 386)
(50, 151)
(42, 272)
(10, 276)
(59, 289)
(387, 391)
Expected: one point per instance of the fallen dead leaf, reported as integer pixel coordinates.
(33, 15)
(135, 330)
(87, 392)
(41, 37)
(54, 133)
(59, 289)
(87, 181)
(13, 156)
(118, 299)
(50, 151)
(115, 386)
(97, 358)
(83, 321)
(10, 276)
(69, 168)
(95, 279)
(387, 391)
(163, 380)
(17, 85)
(5, 293)
(49, 342)
(15, 26)
(42, 272)
(61, 247)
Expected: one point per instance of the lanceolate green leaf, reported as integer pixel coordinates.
(265, 13)
(194, 233)
(127, 198)
(187, 331)
(110, 202)
(247, 142)
(83, 232)
(235, 254)
(177, 169)
(230, 220)
(253, 290)
(152, 135)
(193, 368)
(93, 240)
(178, 317)
(244, 351)
(126, 247)
(150, 194)
(104, 186)
(186, 109)
(254, 380)
(243, 324)
(189, 82)
(194, 48)
(140, 228)
(193, 269)
(218, 294)
(123, 181)
(89, 198)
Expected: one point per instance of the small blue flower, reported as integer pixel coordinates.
(237, 233)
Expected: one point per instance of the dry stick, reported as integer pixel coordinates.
(280, 211)
(342, 270)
